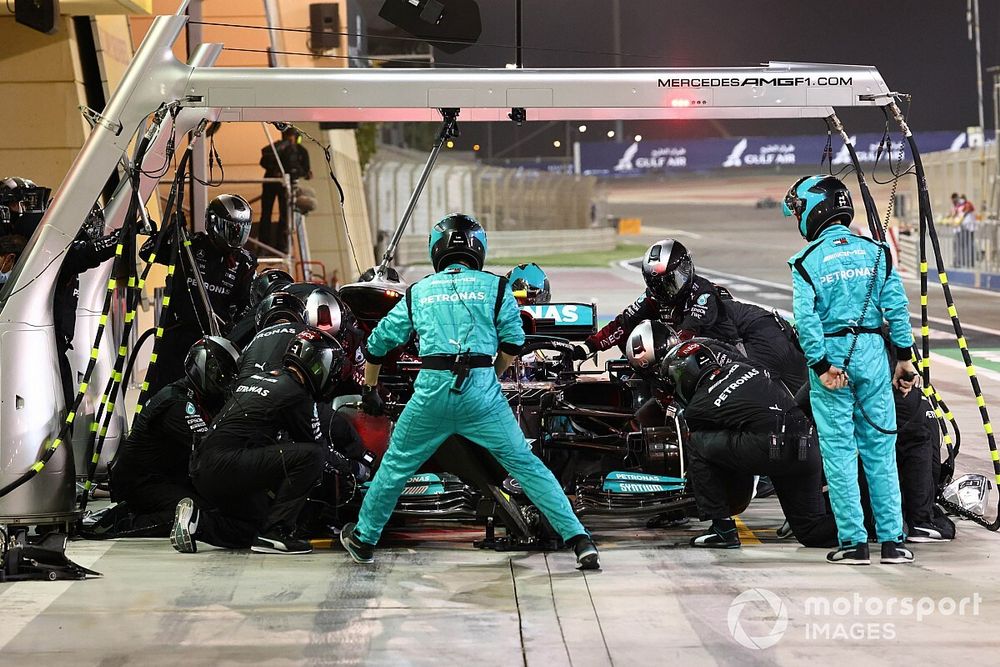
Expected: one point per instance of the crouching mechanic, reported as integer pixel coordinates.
(461, 316)
(282, 316)
(742, 424)
(844, 288)
(267, 438)
(149, 474)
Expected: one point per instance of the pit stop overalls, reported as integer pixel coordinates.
(457, 310)
(831, 277)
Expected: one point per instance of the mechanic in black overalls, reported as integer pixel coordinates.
(282, 317)
(266, 439)
(91, 248)
(695, 307)
(646, 348)
(675, 295)
(742, 424)
(227, 270)
(149, 474)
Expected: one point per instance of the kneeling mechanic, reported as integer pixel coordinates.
(743, 424)
(267, 438)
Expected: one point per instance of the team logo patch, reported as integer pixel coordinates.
(703, 300)
(688, 349)
(840, 241)
(189, 409)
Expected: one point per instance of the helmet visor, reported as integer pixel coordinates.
(234, 233)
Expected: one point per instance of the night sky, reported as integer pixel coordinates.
(920, 47)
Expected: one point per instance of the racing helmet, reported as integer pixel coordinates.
(14, 189)
(319, 358)
(647, 345)
(267, 281)
(668, 270)
(457, 238)
(227, 221)
(212, 365)
(532, 281)
(818, 202)
(279, 306)
(686, 365)
(324, 311)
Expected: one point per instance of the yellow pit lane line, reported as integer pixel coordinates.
(746, 535)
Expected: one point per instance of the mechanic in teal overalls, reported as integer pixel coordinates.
(462, 316)
(844, 288)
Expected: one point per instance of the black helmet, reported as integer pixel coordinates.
(668, 270)
(532, 281)
(818, 202)
(457, 238)
(227, 221)
(277, 306)
(647, 345)
(324, 311)
(686, 364)
(212, 365)
(14, 189)
(267, 281)
(319, 358)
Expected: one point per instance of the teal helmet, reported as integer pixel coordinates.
(457, 238)
(530, 284)
(818, 202)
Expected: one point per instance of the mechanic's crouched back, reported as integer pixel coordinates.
(461, 316)
(267, 437)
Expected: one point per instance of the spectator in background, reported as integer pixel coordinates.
(963, 213)
(294, 160)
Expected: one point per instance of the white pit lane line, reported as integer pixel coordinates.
(24, 601)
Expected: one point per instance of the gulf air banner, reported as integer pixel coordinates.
(653, 157)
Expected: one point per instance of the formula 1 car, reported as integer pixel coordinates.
(580, 422)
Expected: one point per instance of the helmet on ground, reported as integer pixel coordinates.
(818, 202)
(319, 358)
(647, 345)
(227, 221)
(686, 365)
(212, 365)
(457, 238)
(668, 270)
(324, 311)
(532, 281)
(279, 306)
(267, 281)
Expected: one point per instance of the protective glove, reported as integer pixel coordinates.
(371, 403)
(362, 473)
(581, 352)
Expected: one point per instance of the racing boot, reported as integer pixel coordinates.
(587, 557)
(926, 532)
(850, 554)
(894, 553)
(721, 535)
(185, 525)
(276, 541)
(361, 552)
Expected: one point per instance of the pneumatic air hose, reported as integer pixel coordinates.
(928, 230)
